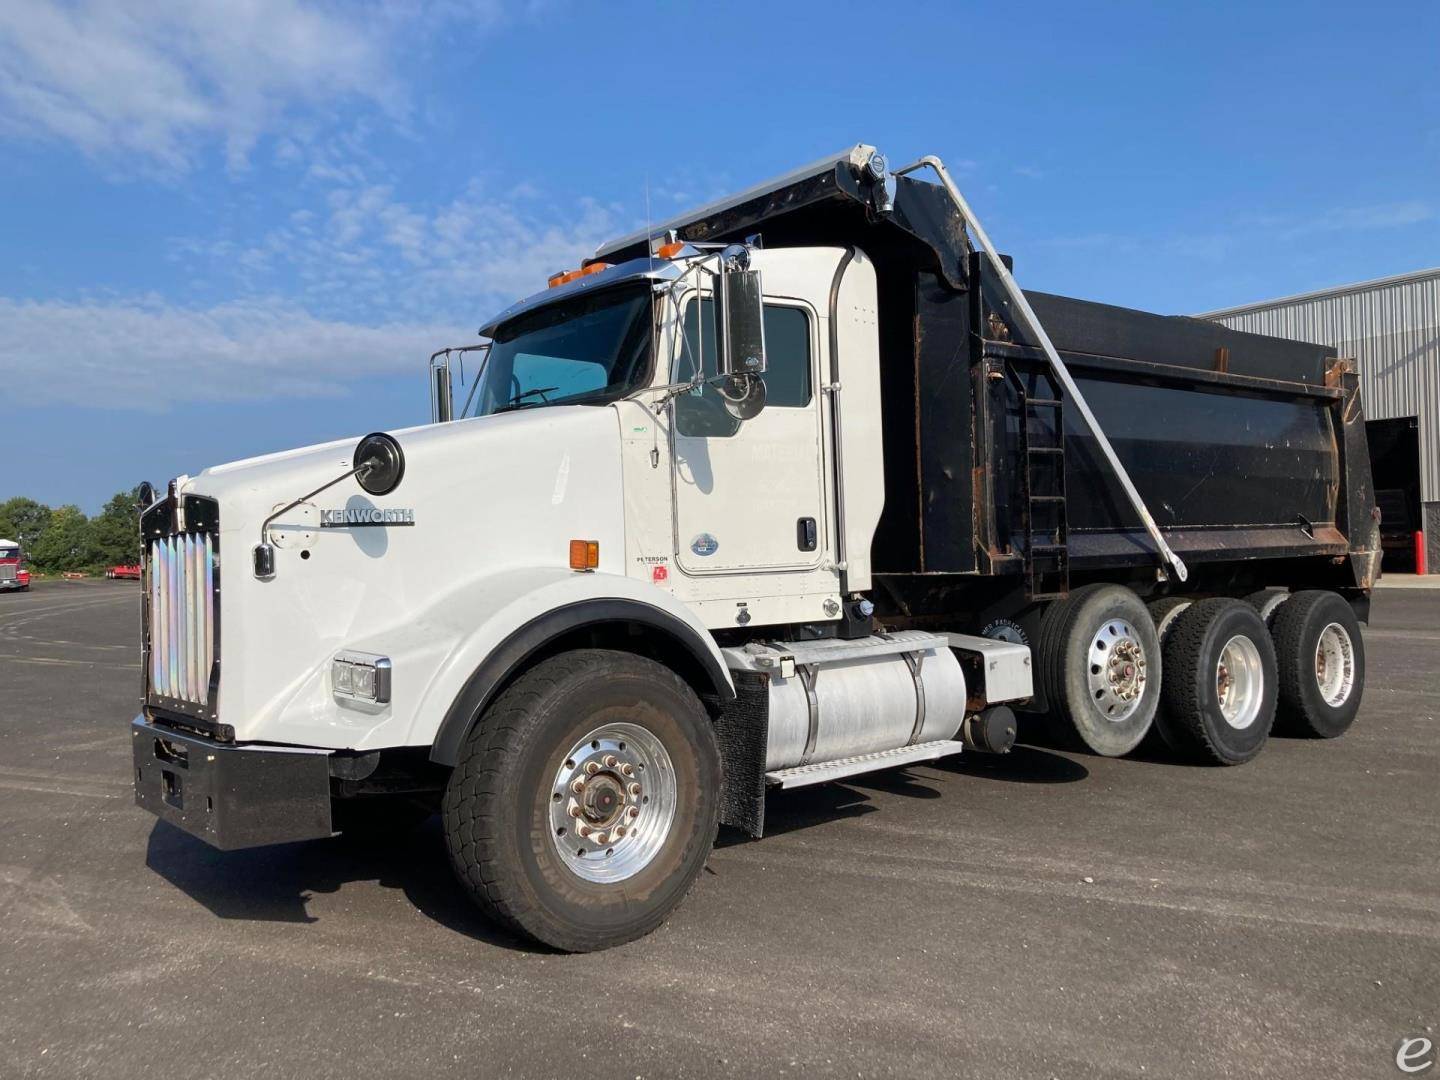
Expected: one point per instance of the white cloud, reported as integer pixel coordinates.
(160, 80)
(1256, 230)
(377, 284)
(1393, 215)
(152, 354)
(362, 249)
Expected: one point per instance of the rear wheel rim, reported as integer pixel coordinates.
(1334, 665)
(1239, 682)
(1116, 670)
(612, 803)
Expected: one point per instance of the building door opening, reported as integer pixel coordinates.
(1395, 461)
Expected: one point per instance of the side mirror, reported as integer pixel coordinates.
(741, 322)
(442, 394)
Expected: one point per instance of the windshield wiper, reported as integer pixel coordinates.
(519, 402)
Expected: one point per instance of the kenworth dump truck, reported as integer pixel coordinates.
(794, 487)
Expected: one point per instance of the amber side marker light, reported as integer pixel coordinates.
(584, 554)
(669, 251)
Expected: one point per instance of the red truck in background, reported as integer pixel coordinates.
(124, 572)
(13, 575)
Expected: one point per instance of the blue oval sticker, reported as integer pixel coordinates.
(704, 545)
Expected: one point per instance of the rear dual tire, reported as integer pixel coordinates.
(1221, 682)
(1320, 655)
(1100, 667)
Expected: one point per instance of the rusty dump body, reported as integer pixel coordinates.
(1248, 451)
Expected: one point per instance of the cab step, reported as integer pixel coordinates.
(804, 775)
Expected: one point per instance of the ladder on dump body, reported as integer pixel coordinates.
(1169, 561)
(1042, 489)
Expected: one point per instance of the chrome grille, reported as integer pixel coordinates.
(8, 571)
(182, 617)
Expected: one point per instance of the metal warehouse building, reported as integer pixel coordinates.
(1391, 327)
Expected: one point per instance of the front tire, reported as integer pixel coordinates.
(1220, 682)
(586, 800)
(1321, 659)
(1100, 663)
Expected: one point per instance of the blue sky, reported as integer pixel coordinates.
(222, 234)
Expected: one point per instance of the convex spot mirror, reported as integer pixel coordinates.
(379, 463)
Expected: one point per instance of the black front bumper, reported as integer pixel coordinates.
(231, 796)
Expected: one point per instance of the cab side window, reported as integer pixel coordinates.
(701, 413)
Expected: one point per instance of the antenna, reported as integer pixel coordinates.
(649, 239)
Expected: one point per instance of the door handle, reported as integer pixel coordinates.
(806, 535)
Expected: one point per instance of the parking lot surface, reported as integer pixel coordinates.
(1036, 915)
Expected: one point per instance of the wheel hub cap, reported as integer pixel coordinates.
(1239, 682)
(1334, 664)
(612, 803)
(1117, 670)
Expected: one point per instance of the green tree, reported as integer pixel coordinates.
(24, 520)
(115, 531)
(65, 544)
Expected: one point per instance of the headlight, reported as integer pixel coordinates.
(357, 676)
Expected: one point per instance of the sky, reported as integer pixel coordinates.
(235, 227)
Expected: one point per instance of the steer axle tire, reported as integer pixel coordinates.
(586, 800)
(1321, 659)
(1220, 684)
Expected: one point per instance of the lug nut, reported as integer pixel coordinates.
(592, 768)
(633, 813)
(602, 839)
(619, 831)
(611, 761)
(634, 790)
(584, 830)
(627, 769)
(574, 811)
(577, 786)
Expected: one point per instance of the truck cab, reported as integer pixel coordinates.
(793, 488)
(13, 573)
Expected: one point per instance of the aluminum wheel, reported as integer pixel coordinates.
(1334, 664)
(1239, 682)
(612, 803)
(1116, 670)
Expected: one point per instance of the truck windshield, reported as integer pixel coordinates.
(590, 350)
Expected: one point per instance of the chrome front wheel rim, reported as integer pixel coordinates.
(1239, 682)
(1116, 670)
(612, 803)
(1334, 665)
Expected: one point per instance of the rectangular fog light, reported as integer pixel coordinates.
(357, 676)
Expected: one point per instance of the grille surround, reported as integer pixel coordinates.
(181, 581)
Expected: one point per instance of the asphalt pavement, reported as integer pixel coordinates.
(1042, 914)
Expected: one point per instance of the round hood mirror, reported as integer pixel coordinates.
(380, 463)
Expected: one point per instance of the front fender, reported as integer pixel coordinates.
(517, 613)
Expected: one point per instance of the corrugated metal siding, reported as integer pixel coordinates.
(1393, 332)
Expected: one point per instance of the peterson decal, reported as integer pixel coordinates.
(365, 517)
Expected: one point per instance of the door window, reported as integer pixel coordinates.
(701, 412)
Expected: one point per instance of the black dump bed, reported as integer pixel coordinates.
(1248, 451)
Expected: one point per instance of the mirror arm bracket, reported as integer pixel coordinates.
(264, 552)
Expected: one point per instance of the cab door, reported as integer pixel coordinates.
(751, 496)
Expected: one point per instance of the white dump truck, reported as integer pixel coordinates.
(794, 487)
